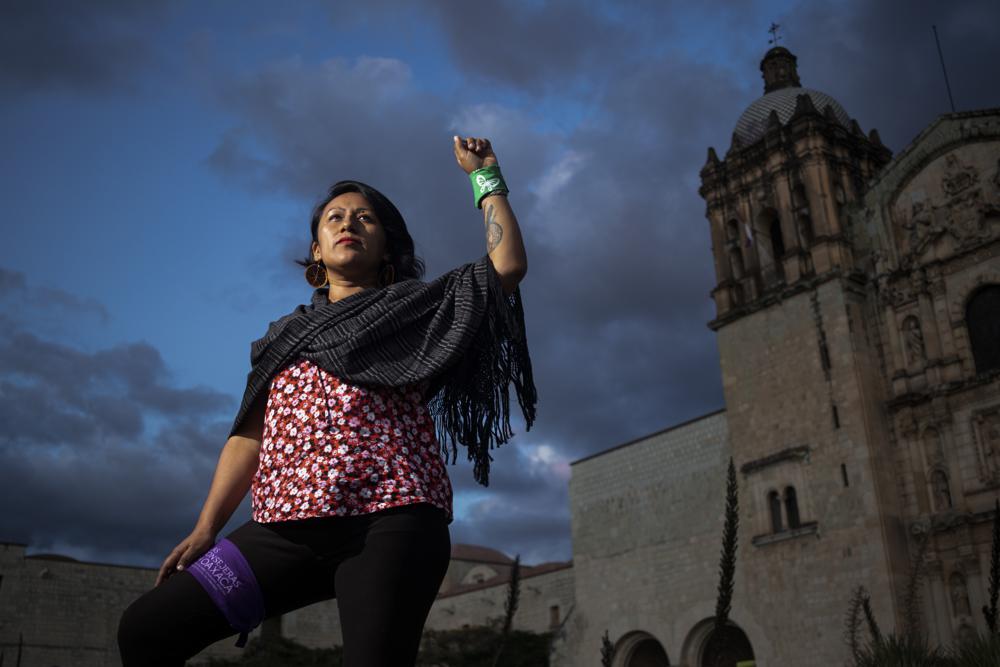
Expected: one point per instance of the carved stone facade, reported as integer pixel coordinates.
(858, 319)
(929, 227)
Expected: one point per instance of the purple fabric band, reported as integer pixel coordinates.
(226, 575)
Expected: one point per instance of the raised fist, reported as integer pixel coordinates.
(472, 153)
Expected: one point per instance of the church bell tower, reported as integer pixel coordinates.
(800, 369)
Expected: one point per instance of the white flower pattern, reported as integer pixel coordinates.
(327, 449)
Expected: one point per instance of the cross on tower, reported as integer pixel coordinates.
(774, 34)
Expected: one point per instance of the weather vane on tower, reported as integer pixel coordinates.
(774, 34)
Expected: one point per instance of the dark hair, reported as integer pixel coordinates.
(399, 243)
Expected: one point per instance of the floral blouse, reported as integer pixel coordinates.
(331, 448)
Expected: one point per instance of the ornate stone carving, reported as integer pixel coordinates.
(957, 176)
(917, 224)
(959, 592)
(965, 215)
(942, 491)
(933, 447)
(986, 428)
(913, 338)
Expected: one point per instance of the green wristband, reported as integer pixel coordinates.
(487, 181)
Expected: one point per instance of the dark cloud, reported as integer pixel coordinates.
(537, 46)
(84, 46)
(880, 61)
(100, 456)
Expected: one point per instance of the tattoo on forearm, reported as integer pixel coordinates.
(494, 232)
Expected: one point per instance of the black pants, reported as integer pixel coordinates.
(383, 568)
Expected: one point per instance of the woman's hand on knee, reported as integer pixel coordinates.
(189, 550)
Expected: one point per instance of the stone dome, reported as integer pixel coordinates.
(753, 123)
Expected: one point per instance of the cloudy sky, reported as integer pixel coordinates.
(160, 159)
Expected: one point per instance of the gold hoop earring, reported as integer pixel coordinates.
(392, 275)
(314, 273)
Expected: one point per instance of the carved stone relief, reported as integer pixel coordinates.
(913, 338)
(959, 592)
(949, 206)
(942, 491)
(917, 224)
(958, 176)
(986, 428)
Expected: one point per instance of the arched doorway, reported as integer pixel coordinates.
(704, 647)
(726, 648)
(640, 649)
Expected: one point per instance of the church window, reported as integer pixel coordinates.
(777, 241)
(771, 247)
(799, 200)
(792, 507)
(982, 317)
(774, 503)
(553, 616)
(733, 231)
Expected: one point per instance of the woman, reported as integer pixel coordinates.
(338, 444)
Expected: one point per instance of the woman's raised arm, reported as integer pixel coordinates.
(503, 236)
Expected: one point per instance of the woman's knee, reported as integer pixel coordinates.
(140, 635)
(169, 624)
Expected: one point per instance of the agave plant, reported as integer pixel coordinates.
(911, 649)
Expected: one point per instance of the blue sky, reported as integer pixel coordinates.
(160, 160)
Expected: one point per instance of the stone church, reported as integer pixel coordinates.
(858, 324)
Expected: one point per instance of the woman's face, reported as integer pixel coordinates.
(350, 239)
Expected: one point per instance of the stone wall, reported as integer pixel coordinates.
(647, 523)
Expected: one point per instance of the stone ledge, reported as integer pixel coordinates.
(800, 453)
(807, 528)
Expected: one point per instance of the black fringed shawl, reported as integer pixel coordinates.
(459, 334)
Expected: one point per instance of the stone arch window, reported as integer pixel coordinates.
(792, 507)
(772, 247)
(777, 240)
(774, 505)
(799, 199)
(982, 318)
(639, 649)
(913, 341)
(733, 231)
(706, 646)
(941, 489)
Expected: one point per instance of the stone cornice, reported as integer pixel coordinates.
(799, 453)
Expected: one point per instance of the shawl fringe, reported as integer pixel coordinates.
(473, 407)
